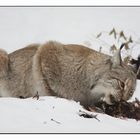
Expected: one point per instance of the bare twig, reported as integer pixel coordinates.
(87, 115)
(36, 96)
(55, 121)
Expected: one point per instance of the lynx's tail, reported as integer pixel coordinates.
(4, 62)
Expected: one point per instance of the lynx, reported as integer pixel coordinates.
(71, 71)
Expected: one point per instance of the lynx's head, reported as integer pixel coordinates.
(116, 82)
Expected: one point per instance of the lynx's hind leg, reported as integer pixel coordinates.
(4, 61)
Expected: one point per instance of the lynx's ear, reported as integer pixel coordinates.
(116, 58)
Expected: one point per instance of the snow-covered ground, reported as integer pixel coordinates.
(22, 26)
(55, 115)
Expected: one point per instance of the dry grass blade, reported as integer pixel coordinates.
(113, 48)
(113, 31)
(127, 46)
(130, 40)
(122, 35)
(98, 35)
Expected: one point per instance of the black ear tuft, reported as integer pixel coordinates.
(122, 46)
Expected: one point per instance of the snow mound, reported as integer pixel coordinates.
(56, 115)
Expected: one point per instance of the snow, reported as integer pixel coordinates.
(22, 26)
(35, 116)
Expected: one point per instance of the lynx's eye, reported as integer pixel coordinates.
(121, 84)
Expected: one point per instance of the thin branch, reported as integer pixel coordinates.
(55, 121)
(36, 96)
(87, 115)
